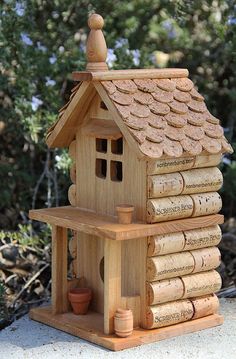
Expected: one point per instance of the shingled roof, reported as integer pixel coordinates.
(167, 117)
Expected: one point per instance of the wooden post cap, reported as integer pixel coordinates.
(96, 51)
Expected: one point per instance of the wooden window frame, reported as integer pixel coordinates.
(112, 155)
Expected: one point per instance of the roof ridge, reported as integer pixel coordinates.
(129, 74)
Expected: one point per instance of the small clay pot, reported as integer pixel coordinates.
(80, 299)
(123, 322)
(125, 213)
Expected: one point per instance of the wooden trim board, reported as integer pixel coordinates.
(107, 226)
(129, 74)
(90, 327)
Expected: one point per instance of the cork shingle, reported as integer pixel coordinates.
(167, 117)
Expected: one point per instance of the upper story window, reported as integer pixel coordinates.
(101, 145)
(101, 168)
(117, 146)
(116, 171)
(109, 165)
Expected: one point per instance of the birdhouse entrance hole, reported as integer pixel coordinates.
(101, 269)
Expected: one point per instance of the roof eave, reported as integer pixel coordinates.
(63, 132)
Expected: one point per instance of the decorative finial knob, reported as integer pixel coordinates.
(96, 51)
(95, 22)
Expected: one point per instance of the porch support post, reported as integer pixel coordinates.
(59, 270)
(112, 282)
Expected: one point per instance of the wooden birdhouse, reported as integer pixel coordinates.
(143, 203)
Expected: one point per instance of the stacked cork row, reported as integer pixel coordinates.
(184, 194)
(181, 276)
(180, 285)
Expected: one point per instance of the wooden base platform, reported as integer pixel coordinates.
(90, 327)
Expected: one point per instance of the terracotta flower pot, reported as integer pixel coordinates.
(125, 213)
(80, 299)
(123, 322)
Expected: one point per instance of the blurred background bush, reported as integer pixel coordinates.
(42, 42)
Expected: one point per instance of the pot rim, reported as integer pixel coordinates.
(80, 295)
(83, 290)
(125, 208)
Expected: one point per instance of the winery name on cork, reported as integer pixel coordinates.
(177, 316)
(204, 185)
(211, 238)
(182, 207)
(213, 287)
(173, 163)
(175, 269)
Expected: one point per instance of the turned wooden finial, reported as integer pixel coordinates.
(96, 51)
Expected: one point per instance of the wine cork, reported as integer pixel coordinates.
(202, 237)
(206, 203)
(169, 208)
(201, 283)
(73, 173)
(206, 259)
(72, 150)
(72, 195)
(170, 165)
(204, 306)
(163, 291)
(207, 161)
(169, 266)
(169, 313)
(202, 180)
(165, 244)
(181, 164)
(165, 185)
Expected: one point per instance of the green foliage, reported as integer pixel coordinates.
(63, 161)
(42, 42)
(26, 236)
(229, 188)
(230, 181)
